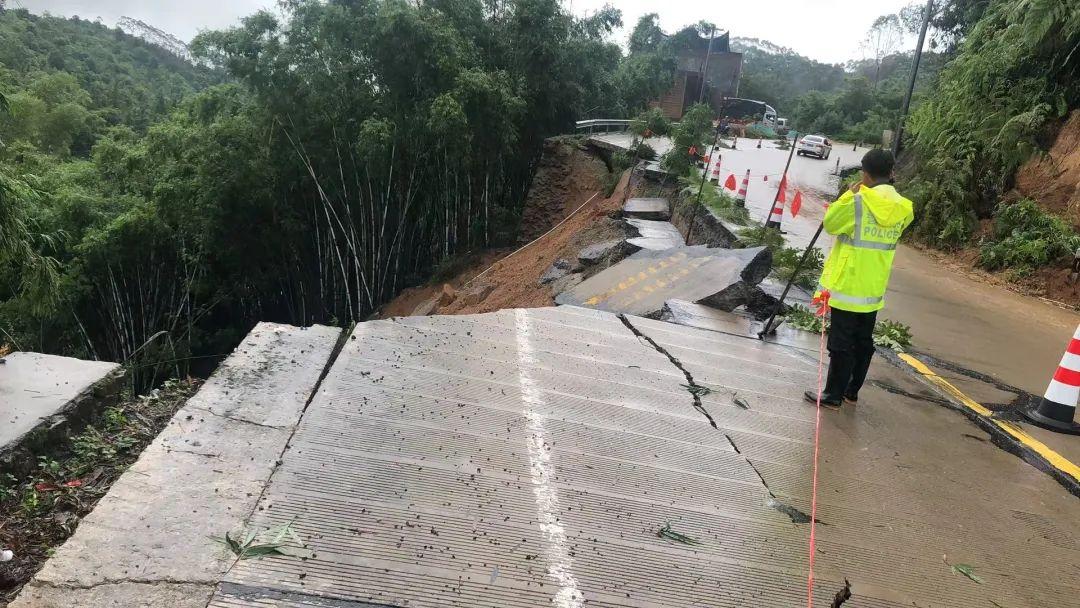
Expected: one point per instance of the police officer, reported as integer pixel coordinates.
(867, 222)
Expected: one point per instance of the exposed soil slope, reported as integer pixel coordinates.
(568, 178)
(1053, 179)
(566, 172)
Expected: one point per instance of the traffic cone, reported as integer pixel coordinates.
(741, 197)
(759, 143)
(776, 216)
(715, 176)
(1058, 406)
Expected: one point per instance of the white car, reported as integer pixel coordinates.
(817, 145)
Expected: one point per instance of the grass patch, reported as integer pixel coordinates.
(713, 198)
(40, 511)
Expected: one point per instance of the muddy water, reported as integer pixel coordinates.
(986, 328)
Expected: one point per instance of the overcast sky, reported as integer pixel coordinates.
(826, 30)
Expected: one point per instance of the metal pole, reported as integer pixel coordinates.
(777, 197)
(911, 81)
(798, 268)
(705, 72)
(701, 187)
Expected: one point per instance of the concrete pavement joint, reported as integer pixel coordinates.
(343, 338)
(695, 388)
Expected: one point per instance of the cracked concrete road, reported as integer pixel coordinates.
(566, 457)
(532, 457)
(151, 540)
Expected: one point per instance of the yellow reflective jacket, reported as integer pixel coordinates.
(867, 226)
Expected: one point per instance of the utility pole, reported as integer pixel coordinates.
(705, 71)
(911, 81)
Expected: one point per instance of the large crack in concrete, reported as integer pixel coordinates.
(694, 388)
(695, 391)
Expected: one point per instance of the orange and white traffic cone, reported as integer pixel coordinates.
(714, 177)
(777, 215)
(759, 143)
(1058, 406)
(741, 196)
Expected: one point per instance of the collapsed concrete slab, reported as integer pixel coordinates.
(558, 269)
(648, 209)
(701, 316)
(655, 235)
(157, 534)
(42, 395)
(641, 283)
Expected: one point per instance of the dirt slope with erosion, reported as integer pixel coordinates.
(568, 179)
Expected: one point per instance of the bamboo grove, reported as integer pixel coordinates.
(306, 168)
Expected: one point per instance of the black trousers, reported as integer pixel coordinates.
(851, 346)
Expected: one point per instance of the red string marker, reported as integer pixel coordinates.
(822, 302)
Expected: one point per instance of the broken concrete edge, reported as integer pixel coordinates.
(20, 457)
(1013, 440)
(141, 535)
(175, 594)
(709, 229)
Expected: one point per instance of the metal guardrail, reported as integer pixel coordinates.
(603, 124)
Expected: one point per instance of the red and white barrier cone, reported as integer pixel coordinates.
(1058, 406)
(759, 143)
(777, 215)
(741, 196)
(714, 177)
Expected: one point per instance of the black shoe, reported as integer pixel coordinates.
(851, 400)
(832, 404)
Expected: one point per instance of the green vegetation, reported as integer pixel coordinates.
(785, 259)
(892, 335)
(151, 210)
(713, 198)
(1026, 238)
(40, 509)
(1015, 73)
(887, 334)
(694, 131)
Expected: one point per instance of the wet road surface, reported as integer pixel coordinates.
(554, 457)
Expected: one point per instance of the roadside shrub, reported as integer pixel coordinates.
(694, 130)
(1026, 238)
(892, 334)
(787, 259)
(652, 120)
(713, 198)
(887, 334)
(801, 317)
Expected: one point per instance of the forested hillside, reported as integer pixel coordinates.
(355, 147)
(1001, 102)
(123, 80)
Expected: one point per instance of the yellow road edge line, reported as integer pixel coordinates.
(1056, 460)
